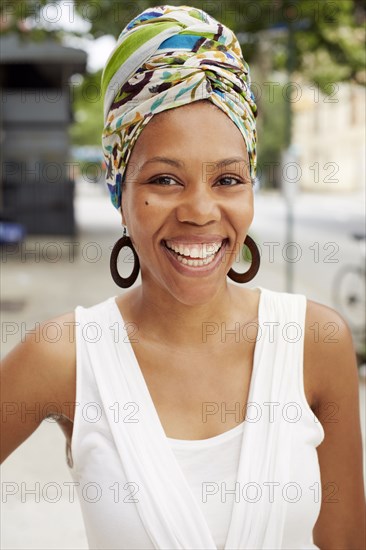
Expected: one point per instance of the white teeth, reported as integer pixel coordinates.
(196, 263)
(205, 251)
(195, 251)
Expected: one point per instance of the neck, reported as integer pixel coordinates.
(161, 317)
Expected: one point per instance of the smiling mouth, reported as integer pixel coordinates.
(194, 255)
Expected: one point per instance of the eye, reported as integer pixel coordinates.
(230, 179)
(161, 179)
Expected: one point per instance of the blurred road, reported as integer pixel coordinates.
(48, 276)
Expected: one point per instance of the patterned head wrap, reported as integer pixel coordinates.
(166, 57)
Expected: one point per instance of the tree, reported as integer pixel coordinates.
(88, 109)
(327, 45)
(329, 36)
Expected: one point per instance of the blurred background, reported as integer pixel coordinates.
(58, 226)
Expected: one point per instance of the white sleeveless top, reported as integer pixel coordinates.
(255, 486)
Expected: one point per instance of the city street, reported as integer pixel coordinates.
(48, 276)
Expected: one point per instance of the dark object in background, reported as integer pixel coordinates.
(37, 180)
(43, 208)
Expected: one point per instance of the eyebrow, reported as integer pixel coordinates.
(180, 164)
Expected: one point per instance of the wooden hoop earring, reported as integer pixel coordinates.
(253, 270)
(123, 282)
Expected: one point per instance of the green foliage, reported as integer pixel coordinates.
(271, 135)
(329, 36)
(327, 45)
(88, 111)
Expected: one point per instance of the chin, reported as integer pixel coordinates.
(195, 293)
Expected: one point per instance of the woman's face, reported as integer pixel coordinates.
(188, 201)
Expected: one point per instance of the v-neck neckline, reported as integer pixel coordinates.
(141, 376)
(165, 441)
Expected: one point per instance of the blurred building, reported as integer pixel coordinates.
(329, 133)
(36, 176)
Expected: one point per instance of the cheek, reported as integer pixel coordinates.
(145, 216)
(241, 212)
(149, 209)
(135, 206)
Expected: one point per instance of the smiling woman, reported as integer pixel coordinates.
(197, 428)
(201, 208)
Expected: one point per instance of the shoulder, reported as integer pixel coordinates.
(54, 336)
(55, 350)
(46, 358)
(37, 375)
(331, 361)
(329, 354)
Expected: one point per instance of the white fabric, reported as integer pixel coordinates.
(211, 467)
(141, 489)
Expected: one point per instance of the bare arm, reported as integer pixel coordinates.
(36, 378)
(341, 524)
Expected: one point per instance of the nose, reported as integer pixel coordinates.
(198, 205)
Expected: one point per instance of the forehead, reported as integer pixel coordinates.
(197, 128)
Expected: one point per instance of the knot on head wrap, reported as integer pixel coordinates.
(166, 57)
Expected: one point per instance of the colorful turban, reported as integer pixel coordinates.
(166, 57)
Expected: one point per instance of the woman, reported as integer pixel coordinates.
(194, 422)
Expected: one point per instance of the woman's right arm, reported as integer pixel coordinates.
(37, 380)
